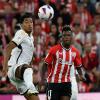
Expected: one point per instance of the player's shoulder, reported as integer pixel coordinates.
(55, 46)
(74, 49)
(20, 32)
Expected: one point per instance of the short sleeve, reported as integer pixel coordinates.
(49, 57)
(78, 61)
(18, 38)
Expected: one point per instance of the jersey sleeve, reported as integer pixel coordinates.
(49, 58)
(18, 38)
(78, 61)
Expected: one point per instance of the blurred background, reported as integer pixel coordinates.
(84, 18)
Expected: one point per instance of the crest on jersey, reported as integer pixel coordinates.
(73, 54)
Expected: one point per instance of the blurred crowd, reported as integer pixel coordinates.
(84, 18)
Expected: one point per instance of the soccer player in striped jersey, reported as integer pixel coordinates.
(59, 61)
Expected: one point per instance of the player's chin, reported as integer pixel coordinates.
(68, 43)
(30, 30)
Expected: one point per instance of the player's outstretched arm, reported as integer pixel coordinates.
(7, 54)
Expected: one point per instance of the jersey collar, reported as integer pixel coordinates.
(65, 48)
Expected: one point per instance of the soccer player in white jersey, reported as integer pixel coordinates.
(18, 58)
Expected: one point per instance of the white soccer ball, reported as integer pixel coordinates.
(46, 12)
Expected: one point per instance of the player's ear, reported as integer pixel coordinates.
(21, 25)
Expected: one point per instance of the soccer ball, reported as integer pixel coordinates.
(46, 12)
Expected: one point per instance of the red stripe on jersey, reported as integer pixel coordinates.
(56, 78)
(68, 76)
(50, 72)
(55, 67)
(51, 68)
(64, 73)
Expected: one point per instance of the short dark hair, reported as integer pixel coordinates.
(26, 15)
(66, 28)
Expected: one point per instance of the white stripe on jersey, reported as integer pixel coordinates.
(63, 65)
(70, 62)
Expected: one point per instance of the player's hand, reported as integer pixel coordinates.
(82, 78)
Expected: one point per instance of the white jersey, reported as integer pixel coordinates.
(23, 53)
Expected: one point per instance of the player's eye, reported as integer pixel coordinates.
(66, 35)
(28, 21)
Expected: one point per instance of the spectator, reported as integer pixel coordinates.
(60, 23)
(39, 42)
(54, 32)
(4, 37)
(66, 15)
(86, 18)
(90, 6)
(97, 21)
(98, 7)
(92, 32)
(79, 36)
(2, 5)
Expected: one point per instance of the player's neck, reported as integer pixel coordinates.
(28, 33)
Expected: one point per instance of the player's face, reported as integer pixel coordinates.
(67, 38)
(28, 25)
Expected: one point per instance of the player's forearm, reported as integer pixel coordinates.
(81, 73)
(79, 70)
(7, 55)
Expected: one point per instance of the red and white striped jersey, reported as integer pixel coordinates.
(59, 62)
